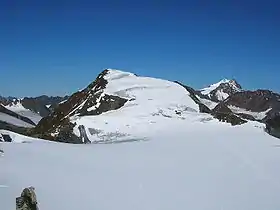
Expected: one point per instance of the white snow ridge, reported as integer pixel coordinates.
(151, 102)
(188, 161)
(207, 90)
(19, 109)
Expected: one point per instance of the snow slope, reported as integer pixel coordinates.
(256, 115)
(188, 165)
(13, 120)
(149, 101)
(210, 104)
(19, 109)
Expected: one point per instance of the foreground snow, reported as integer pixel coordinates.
(197, 166)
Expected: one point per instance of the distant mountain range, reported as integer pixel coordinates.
(123, 94)
(26, 112)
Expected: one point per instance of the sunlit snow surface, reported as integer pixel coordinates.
(256, 115)
(13, 120)
(185, 165)
(150, 100)
(19, 109)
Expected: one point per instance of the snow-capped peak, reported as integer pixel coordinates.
(207, 90)
(221, 90)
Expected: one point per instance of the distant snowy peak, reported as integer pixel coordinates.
(221, 90)
(207, 90)
(18, 107)
(41, 105)
(10, 118)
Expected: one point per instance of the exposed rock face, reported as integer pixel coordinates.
(256, 101)
(90, 101)
(6, 100)
(221, 90)
(83, 135)
(27, 200)
(224, 114)
(221, 108)
(246, 116)
(229, 118)
(5, 137)
(36, 104)
(273, 126)
(259, 101)
(51, 102)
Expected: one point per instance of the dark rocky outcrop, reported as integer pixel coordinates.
(222, 108)
(27, 200)
(51, 101)
(246, 116)
(35, 104)
(273, 126)
(255, 101)
(83, 134)
(90, 101)
(224, 114)
(6, 137)
(6, 100)
(229, 118)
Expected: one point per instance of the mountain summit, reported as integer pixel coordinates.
(117, 99)
(221, 90)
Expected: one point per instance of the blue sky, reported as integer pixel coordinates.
(56, 47)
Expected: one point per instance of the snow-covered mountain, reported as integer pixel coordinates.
(26, 112)
(13, 118)
(17, 107)
(139, 102)
(10, 120)
(123, 102)
(221, 90)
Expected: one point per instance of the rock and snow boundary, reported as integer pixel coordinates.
(117, 104)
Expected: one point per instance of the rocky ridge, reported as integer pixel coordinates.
(221, 90)
(90, 101)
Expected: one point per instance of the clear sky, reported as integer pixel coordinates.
(57, 47)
